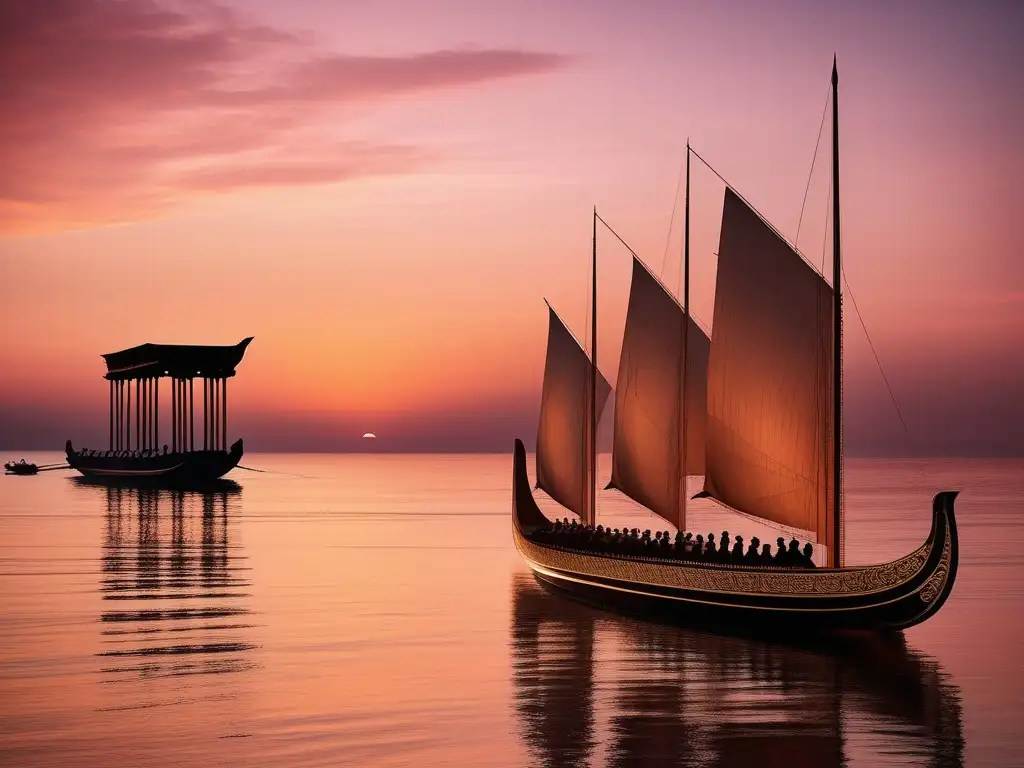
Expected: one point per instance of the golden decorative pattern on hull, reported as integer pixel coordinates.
(933, 586)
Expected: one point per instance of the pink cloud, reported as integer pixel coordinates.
(116, 110)
(353, 161)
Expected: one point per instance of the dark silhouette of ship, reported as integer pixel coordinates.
(134, 454)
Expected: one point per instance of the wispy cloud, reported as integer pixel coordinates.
(116, 110)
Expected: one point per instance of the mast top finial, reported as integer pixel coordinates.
(835, 72)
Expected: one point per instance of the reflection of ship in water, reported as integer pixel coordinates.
(596, 689)
(176, 587)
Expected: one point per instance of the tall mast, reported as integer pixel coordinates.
(837, 333)
(592, 479)
(683, 436)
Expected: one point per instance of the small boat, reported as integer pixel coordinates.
(20, 468)
(756, 408)
(142, 461)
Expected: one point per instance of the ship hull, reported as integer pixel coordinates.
(193, 468)
(889, 596)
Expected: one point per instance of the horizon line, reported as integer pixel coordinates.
(412, 452)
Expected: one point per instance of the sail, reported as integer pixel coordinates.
(769, 401)
(649, 396)
(562, 451)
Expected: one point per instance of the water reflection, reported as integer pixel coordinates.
(175, 589)
(594, 689)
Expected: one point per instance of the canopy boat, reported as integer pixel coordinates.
(756, 409)
(181, 464)
(20, 468)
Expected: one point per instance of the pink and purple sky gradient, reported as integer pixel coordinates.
(381, 194)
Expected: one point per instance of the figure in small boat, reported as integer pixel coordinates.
(21, 467)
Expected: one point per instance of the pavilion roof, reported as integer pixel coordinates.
(181, 360)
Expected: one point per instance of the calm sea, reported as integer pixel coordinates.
(371, 610)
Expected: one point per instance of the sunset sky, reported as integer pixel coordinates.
(383, 193)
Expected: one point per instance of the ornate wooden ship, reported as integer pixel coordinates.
(142, 461)
(756, 408)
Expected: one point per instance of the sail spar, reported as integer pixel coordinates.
(769, 448)
(562, 453)
(649, 396)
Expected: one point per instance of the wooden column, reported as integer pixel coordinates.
(138, 413)
(191, 414)
(216, 414)
(111, 416)
(206, 413)
(224, 414)
(181, 415)
(144, 407)
(213, 414)
(180, 419)
(211, 425)
(128, 421)
(174, 415)
(156, 413)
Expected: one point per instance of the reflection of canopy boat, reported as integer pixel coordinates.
(758, 407)
(142, 461)
(174, 587)
(667, 696)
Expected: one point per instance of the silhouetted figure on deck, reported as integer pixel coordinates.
(709, 549)
(808, 559)
(752, 557)
(737, 551)
(723, 548)
(794, 558)
(780, 552)
(697, 551)
(766, 555)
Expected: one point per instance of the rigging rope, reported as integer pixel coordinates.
(671, 222)
(271, 472)
(878, 362)
(810, 174)
(760, 215)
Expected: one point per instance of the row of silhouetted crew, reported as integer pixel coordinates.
(629, 541)
(122, 454)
